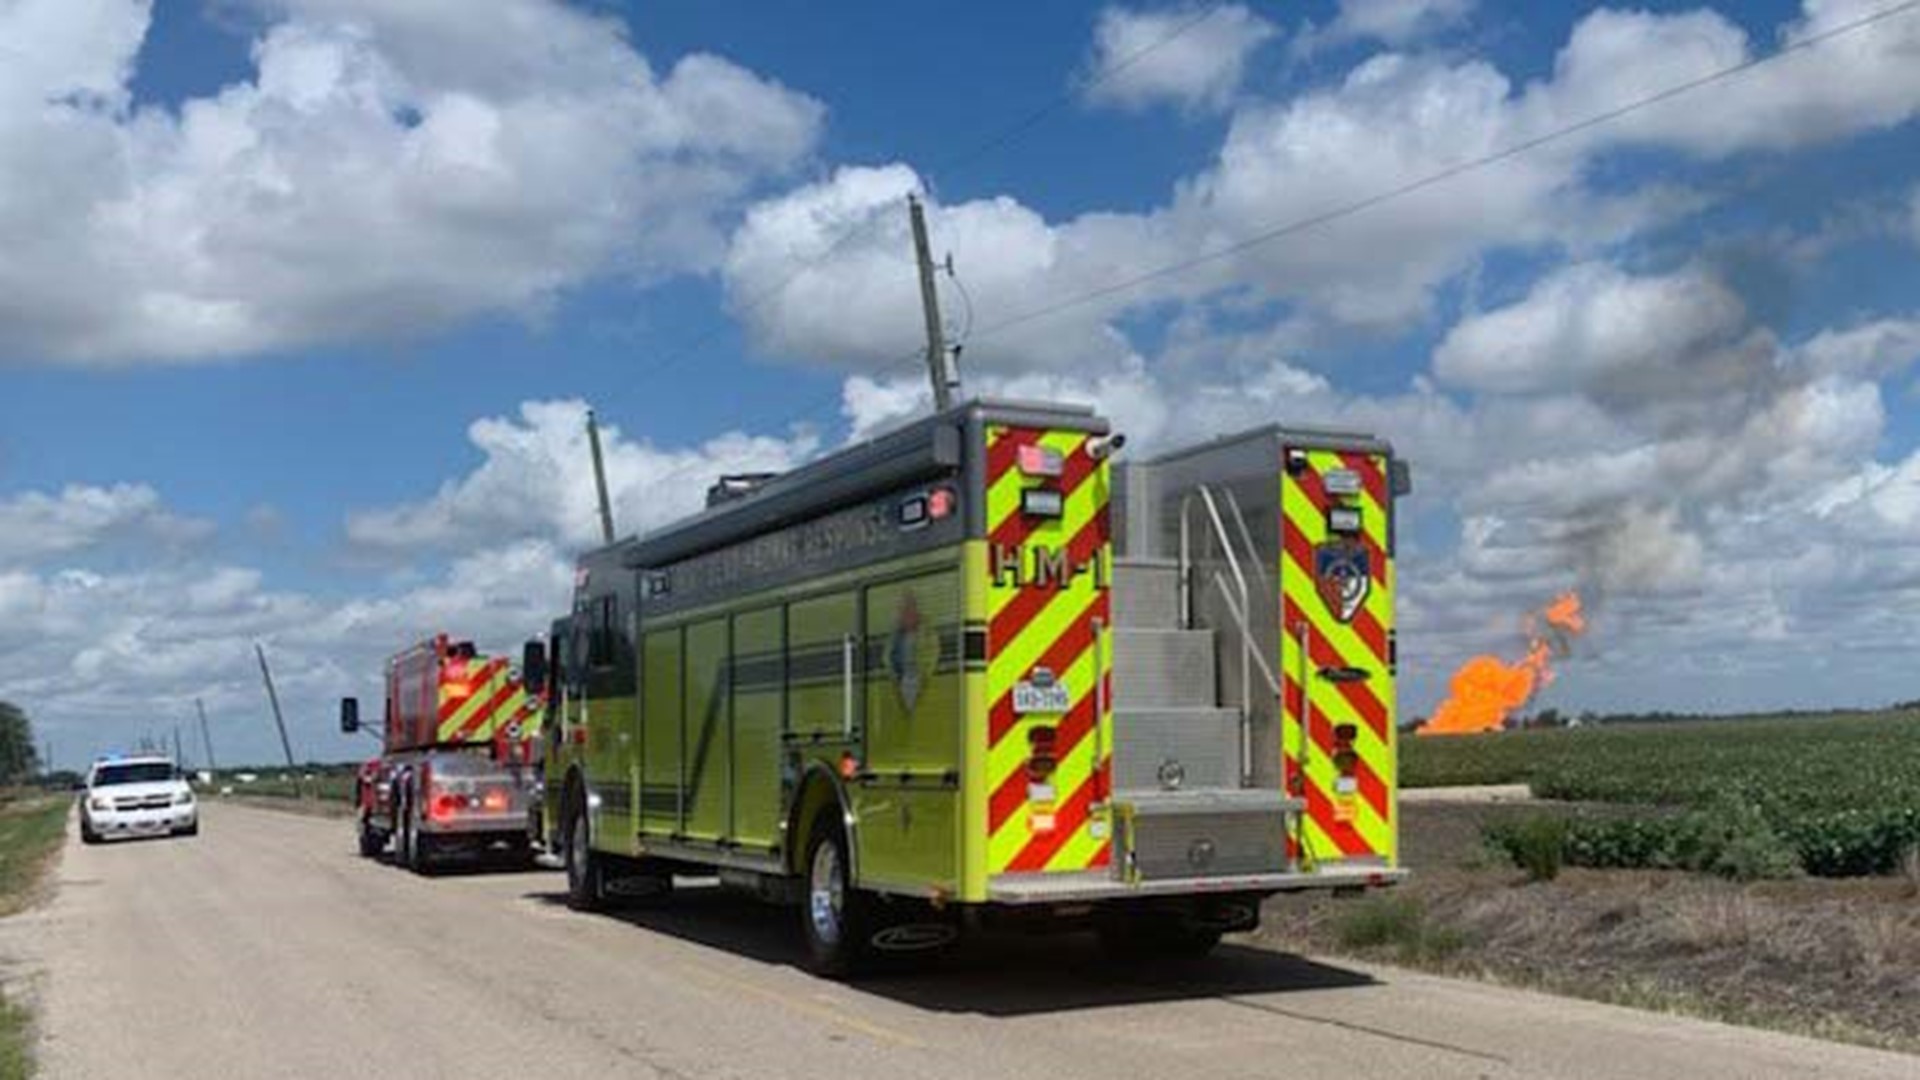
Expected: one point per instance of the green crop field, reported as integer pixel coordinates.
(1836, 795)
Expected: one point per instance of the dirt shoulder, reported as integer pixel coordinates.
(32, 829)
(1834, 958)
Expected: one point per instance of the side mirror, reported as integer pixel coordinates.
(533, 667)
(1400, 477)
(349, 715)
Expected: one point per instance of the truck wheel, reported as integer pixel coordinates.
(586, 873)
(416, 849)
(372, 840)
(835, 917)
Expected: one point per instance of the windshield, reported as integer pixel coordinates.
(139, 772)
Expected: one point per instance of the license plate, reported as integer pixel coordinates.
(1031, 697)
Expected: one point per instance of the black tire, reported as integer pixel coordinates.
(416, 849)
(372, 840)
(586, 870)
(191, 830)
(836, 918)
(87, 835)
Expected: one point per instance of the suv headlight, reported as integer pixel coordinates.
(99, 802)
(185, 798)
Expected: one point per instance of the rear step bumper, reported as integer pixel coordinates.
(1099, 885)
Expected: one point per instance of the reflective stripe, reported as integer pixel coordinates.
(1030, 626)
(1359, 822)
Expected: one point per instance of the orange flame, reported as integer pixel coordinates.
(1486, 689)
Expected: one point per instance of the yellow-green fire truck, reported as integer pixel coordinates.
(978, 669)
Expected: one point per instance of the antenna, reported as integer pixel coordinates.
(600, 479)
(940, 367)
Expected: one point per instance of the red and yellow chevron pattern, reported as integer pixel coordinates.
(1046, 593)
(479, 700)
(1343, 763)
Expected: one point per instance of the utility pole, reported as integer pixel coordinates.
(600, 480)
(274, 700)
(205, 738)
(178, 761)
(940, 365)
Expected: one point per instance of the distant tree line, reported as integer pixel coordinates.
(19, 756)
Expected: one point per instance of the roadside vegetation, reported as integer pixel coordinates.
(31, 829)
(1831, 797)
(1763, 871)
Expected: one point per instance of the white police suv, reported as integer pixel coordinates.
(137, 796)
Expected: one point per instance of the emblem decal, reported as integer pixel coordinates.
(912, 653)
(1344, 574)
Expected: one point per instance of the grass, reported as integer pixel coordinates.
(31, 831)
(1836, 958)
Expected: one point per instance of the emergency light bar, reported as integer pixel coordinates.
(1037, 460)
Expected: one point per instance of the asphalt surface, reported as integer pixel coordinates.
(267, 948)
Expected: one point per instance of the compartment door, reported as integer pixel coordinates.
(1337, 653)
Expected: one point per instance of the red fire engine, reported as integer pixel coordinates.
(457, 773)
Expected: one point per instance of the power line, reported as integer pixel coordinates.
(1347, 210)
(992, 141)
(1401, 191)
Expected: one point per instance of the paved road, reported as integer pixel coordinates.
(265, 948)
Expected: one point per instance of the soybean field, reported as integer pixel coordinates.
(1835, 795)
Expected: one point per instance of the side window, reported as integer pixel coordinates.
(603, 642)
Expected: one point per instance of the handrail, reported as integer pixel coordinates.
(1241, 619)
(1246, 537)
(846, 686)
(1205, 492)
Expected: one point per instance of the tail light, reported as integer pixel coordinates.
(494, 801)
(1346, 763)
(1041, 762)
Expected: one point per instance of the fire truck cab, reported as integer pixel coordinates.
(458, 771)
(977, 671)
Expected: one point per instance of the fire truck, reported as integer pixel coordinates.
(457, 774)
(979, 671)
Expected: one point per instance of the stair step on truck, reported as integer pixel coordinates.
(1176, 748)
(1146, 593)
(1164, 668)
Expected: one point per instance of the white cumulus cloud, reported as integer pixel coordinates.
(387, 170)
(1187, 57)
(35, 525)
(535, 482)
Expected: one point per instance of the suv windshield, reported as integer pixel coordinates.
(139, 772)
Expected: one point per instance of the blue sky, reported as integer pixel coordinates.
(307, 295)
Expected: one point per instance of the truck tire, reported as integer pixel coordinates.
(87, 835)
(586, 871)
(835, 917)
(372, 840)
(417, 848)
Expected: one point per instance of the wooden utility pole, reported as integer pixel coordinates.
(273, 699)
(940, 365)
(205, 738)
(600, 480)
